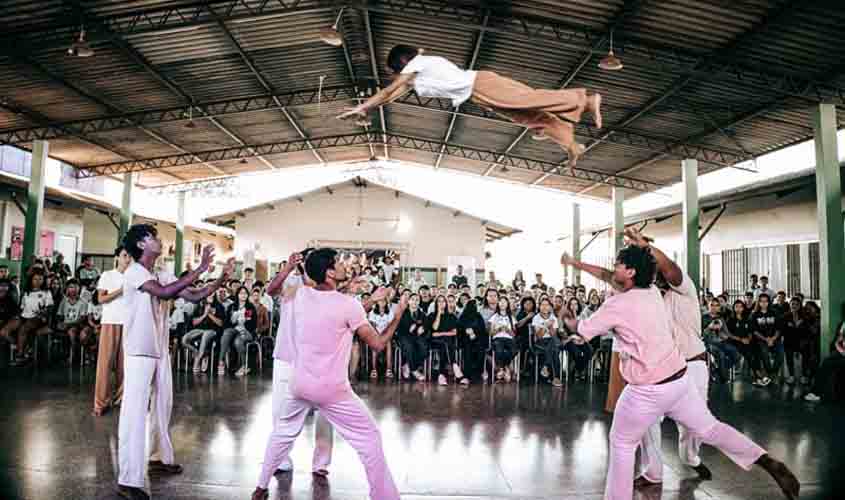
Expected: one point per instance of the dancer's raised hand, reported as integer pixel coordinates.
(294, 260)
(355, 112)
(636, 238)
(381, 293)
(566, 259)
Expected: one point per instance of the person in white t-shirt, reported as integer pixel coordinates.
(320, 345)
(552, 112)
(147, 295)
(110, 357)
(416, 281)
(380, 317)
(36, 306)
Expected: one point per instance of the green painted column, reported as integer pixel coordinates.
(831, 237)
(692, 248)
(180, 233)
(35, 202)
(126, 206)
(575, 251)
(618, 200)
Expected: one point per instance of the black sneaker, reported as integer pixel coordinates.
(132, 493)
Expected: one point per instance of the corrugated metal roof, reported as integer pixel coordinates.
(674, 86)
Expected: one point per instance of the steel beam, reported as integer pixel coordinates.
(361, 139)
(371, 48)
(267, 88)
(829, 209)
(473, 59)
(663, 57)
(696, 76)
(671, 146)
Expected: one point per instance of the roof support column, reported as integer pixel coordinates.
(575, 249)
(35, 202)
(180, 234)
(831, 237)
(618, 230)
(125, 207)
(692, 246)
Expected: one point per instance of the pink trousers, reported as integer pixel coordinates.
(353, 421)
(651, 455)
(640, 406)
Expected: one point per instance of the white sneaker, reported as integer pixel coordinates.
(204, 364)
(545, 372)
(765, 381)
(406, 372)
(456, 370)
(507, 375)
(811, 397)
(240, 372)
(500, 374)
(442, 380)
(484, 376)
(790, 379)
(420, 376)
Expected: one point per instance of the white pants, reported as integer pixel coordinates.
(651, 455)
(143, 377)
(323, 434)
(640, 406)
(355, 424)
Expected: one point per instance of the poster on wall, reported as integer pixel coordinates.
(47, 244)
(17, 243)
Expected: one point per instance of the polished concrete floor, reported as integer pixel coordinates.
(455, 443)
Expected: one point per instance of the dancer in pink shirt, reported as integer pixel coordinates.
(658, 384)
(324, 321)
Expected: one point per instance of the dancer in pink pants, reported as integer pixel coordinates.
(324, 322)
(658, 384)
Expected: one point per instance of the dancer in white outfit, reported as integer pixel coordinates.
(321, 339)
(282, 361)
(146, 295)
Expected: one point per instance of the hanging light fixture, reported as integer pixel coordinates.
(190, 123)
(80, 47)
(331, 35)
(610, 62)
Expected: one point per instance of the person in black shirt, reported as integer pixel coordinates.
(796, 338)
(823, 386)
(425, 299)
(206, 324)
(443, 325)
(9, 311)
(472, 331)
(766, 327)
(412, 336)
(241, 321)
(459, 279)
(780, 306)
(740, 336)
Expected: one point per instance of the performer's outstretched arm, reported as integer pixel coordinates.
(368, 334)
(276, 285)
(196, 295)
(396, 89)
(172, 290)
(598, 272)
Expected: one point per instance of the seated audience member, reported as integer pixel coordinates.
(36, 311)
(463, 300)
(70, 316)
(749, 301)
(10, 312)
(579, 350)
(416, 281)
(249, 278)
(522, 327)
(518, 281)
(809, 365)
(472, 331)
(831, 373)
(443, 325)
(56, 289)
(262, 325)
(207, 322)
(581, 294)
(780, 306)
(380, 317)
(742, 338)
(425, 299)
(767, 337)
(546, 342)
(90, 332)
(355, 356)
(87, 273)
(89, 290)
(538, 278)
(459, 279)
(557, 301)
(413, 339)
(14, 293)
(796, 339)
(501, 328)
(716, 336)
(241, 320)
(489, 304)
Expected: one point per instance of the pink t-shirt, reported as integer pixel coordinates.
(284, 344)
(682, 305)
(647, 350)
(321, 341)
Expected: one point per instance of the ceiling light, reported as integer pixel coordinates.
(80, 47)
(610, 62)
(331, 35)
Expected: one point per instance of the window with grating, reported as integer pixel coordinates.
(734, 275)
(793, 270)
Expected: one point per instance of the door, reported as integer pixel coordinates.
(66, 245)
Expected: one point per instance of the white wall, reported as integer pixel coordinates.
(433, 234)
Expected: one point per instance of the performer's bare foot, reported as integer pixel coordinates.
(782, 475)
(642, 482)
(132, 493)
(260, 494)
(703, 472)
(159, 467)
(574, 152)
(595, 104)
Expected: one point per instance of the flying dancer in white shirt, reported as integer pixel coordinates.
(146, 295)
(553, 113)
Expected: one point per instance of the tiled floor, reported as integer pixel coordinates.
(476, 443)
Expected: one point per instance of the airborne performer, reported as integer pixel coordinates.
(553, 113)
